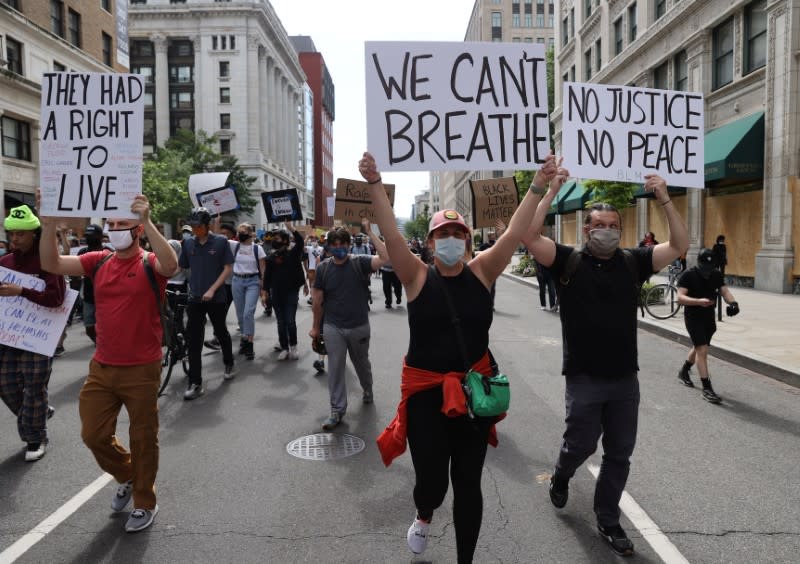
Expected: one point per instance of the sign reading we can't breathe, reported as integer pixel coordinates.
(623, 133)
(91, 145)
(456, 106)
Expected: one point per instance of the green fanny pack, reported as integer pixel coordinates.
(487, 396)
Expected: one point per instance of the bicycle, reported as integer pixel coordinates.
(179, 351)
(661, 300)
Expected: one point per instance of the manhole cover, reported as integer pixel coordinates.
(325, 446)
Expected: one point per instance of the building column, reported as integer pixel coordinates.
(697, 52)
(273, 116)
(262, 81)
(161, 80)
(253, 99)
(774, 261)
(200, 116)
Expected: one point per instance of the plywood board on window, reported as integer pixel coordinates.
(740, 218)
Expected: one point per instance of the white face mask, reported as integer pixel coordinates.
(449, 250)
(120, 240)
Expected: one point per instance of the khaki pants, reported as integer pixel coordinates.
(106, 390)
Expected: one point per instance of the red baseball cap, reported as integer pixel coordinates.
(446, 217)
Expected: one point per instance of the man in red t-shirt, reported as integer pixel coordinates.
(126, 367)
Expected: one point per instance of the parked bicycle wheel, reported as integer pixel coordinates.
(661, 301)
(168, 362)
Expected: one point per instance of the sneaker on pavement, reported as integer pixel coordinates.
(212, 344)
(319, 365)
(559, 492)
(388, 306)
(277, 347)
(122, 496)
(710, 396)
(616, 538)
(283, 355)
(332, 421)
(140, 519)
(683, 376)
(50, 411)
(398, 301)
(59, 351)
(249, 353)
(230, 372)
(367, 396)
(418, 536)
(193, 392)
(293, 353)
(35, 451)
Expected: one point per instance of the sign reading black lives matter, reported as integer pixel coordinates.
(456, 106)
(91, 146)
(623, 133)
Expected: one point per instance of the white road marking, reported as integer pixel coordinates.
(650, 532)
(36, 534)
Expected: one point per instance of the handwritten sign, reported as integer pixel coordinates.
(91, 146)
(282, 205)
(29, 326)
(493, 199)
(353, 202)
(623, 133)
(456, 106)
(219, 200)
(205, 182)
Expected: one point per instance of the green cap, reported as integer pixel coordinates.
(21, 219)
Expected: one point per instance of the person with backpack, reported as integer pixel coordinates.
(129, 286)
(248, 266)
(599, 289)
(340, 294)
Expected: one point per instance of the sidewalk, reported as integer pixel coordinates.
(764, 337)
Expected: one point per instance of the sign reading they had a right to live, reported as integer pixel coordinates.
(353, 202)
(493, 199)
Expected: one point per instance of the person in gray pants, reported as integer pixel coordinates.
(340, 294)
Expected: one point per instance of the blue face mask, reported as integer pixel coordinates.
(186, 235)
(2, 252)
(450, 250)
(339, 252)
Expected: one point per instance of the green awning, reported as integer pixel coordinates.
(555, 207)
(576, 199)
(736, 151)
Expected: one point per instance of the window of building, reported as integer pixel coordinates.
(587, 8)
(587, 65)
(551, 42)
(528, 20)
(177, 1)
(565, 31)
(539, 20)
(515, 21)
(572, 22)
(57, 17)
(224, 146)
(13, 55)
(58, 67)
(106, 5)
(149, 132)
(107, 49)
(632, 23)
(233, 41)
(180, 48)
(181, 100)
(661, 8)
(618, 41)
(660, 76)
(755, 35)
(529, 40)
(224, 121)
(223, 42)
(148, 100)
(180, 122)
(550, 21)
(224, 69)
(182, 74)
(528, 7)
(572, 73)
(680, 71)
(516, 40)
(723, 54)
(497, 26)
(598, 54)
(225, 95)
(16, 138)
(138, 1)
(141, 48)
(214, 42)
(540, 40)
(75, 28)
(11, 3)
(145, 70)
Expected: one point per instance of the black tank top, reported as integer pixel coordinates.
(433, 344)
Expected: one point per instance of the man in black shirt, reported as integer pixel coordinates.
(698, 288)
(598, 298)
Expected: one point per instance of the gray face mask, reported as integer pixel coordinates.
(603, 242)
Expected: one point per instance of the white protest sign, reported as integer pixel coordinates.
(205, 181)
(456, 106)
(29, 326)
(330, 202)
(91, 145)
(219, 201)
(282, 206)
(623, 133)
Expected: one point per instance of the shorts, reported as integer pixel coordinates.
(701, 330)
(312, 275)
(88, 315)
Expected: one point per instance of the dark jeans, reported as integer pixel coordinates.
(547, 285)
(595, 406)
(196, 316)
(285, 307)
(391, 283)
(439, 444)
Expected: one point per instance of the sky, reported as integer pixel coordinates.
(339, 29)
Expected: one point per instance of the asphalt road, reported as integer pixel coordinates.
(721, 482)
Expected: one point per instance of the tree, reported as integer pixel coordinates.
(419, 227)
(618, 194)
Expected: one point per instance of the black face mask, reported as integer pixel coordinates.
(277, 245)
(94, 241)
(243, 237)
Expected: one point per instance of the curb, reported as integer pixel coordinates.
(765, 368)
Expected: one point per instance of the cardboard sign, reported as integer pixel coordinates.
(493, 199)
(353, 202)
(622, 133)
(29, 326)
(91, 146)
(219, 200)
(206, 181)
(457, 106)
(282, 205)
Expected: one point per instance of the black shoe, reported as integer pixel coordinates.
(710, 396)
(398, 301)
(388, 306)
(242, 346)
(50, 411)
(616, 538)
(559, 494)
(683, 376)
(249, 353)
(213, 344)
(319, 366)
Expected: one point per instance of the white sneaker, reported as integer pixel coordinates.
(293, 353)
(418, 536)
(283, 355)
(35, 451)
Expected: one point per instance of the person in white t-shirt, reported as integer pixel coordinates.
(248, 269)
(313, 256)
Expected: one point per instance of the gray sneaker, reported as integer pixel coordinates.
(122, 496)
(332, 421)
(193, 392)
(140, 519)
(230, 372)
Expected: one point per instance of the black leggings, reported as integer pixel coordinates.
(439, 443)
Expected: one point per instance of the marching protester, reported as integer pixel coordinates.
(24, 375)
(283, 277)
(391, 283)
(248, 268)
(598, 300)
(126, 367)
(339, 294)
(698, 289)
(312, 257)
(210, 259)
(227, 231)
(432, 414)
